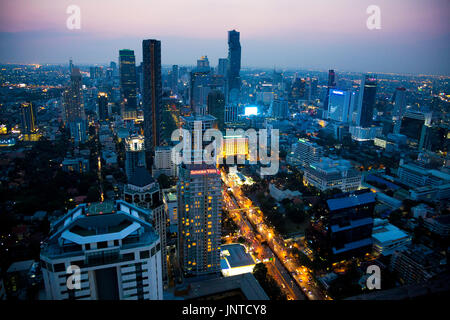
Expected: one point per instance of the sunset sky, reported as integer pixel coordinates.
(320, 34)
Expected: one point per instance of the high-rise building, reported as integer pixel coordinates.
(115, 247)
(222, 67)
(134, 154)
(339, 105)
(332, 174)
(304, 153)
(102, 101)
(330, 85)
(73, 98)
(216, 107)
(280, 108)
(313, 88)
(345, 230)
(152, 90)
(143, 191)
(399, 108)
(200, 88)
(163, 163)
(203, 63)
(127, 69)
(28, 111)
(298, 90)
(199, 195)
(174, 78)
(234, 66)
(231, 113)
(366, 103)
(413, 123)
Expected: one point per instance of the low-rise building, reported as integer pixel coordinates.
(387, 238)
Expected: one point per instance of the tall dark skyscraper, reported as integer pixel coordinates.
(234, 65)
(331, 84)
(216, 107)
(367, 93)
(200, 79)
(174, 78)
(73, 99)
(102, 100)
(127, 69)
(152, 89)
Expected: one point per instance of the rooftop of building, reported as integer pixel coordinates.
(141, 177)
(245, 282)
(350, 200)
(98, 222)
(384, 231)
(234, 255)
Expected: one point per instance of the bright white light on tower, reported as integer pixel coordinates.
(251, 111)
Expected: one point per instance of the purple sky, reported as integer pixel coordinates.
(320, 34)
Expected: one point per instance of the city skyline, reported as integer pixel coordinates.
(295, 35)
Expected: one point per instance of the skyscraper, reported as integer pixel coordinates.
(116, 248)
(339, 105)
(222, 67)
(127, 69)
(199, 194)
(366, 104)
(73, 99)
(331, 84)
(102, 100)
(234, 66)
(200, 88)
(399, 108)
(174, 78)
(216, 107)
(135, 154)
(75, 117)
(28, 117)
(280, 108)
(203, 63)
(152, 100)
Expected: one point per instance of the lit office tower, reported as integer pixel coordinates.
(399, 108)
(73, 99)
(339, 105)
(234, 66)
(280, 109)
(127, 69)
(174, 78)
(115, 248)
(102, 101)
(135, 154)
(28, 118)
(152, 90)
(222, 67)
(216, 107)
(366, 103)
(331, 84)
(203, 63)
(200, 88)
(75, 117)
(199, 194)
